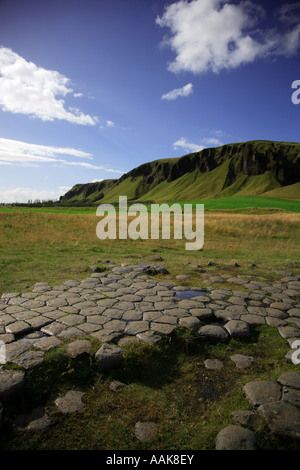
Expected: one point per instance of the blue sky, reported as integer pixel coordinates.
(90, 89)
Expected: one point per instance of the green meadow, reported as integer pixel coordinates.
(234, 203)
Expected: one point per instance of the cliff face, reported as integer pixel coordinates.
(272, 164)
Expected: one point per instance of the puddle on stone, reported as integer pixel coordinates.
(188, 294)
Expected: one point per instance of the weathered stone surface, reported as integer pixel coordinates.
(18, 328)
(29, 359)
(106, 336)
(262, 391)
(291, 396)
(282, 418)
(145, 432)
(69, 332)
(45, 344)
(290, 379)
(72, 320)
(78, 348)
(237, 328)
(203, 314)
(115, 325)
(281, 305)
(11, 381)
(274, 312)
(247, 419)
(149, 337)
(53, 329)
(235, 437)
(109, 356)
(289, 332)
(162, 328)
(7, 338)
(294, 312)
(135, 327)
(71, 402)
(193, 323)
(253, 320)
(241, 361)
(13, 350)
(39, 321)
(213, 333)
(213, 364)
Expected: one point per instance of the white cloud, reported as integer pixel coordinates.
(187, 146)
(15, 152)
(28, 89)
(182, 143)
(107, 123)
(11, 149)
(216, 34)
(178, 92)
(25, 194)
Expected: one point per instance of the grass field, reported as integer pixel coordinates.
(168, 384)
(37, 246)
(236, 203)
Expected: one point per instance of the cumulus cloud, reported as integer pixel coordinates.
(178, 92)
(217, 34)
(15, 152)
(28, 89)
(182, 143)
(185, 145)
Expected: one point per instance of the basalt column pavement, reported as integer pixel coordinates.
(129, 302)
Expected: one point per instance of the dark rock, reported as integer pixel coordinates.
(282, 418)
(70, 402)
(11, 381)
(109, 356)
(247, 419)
(241, 361)
(213, 333)
(235, 438)
(290, 379)
(79, 348)
(262, 391)
(237, 329)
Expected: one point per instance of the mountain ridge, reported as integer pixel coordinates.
(246, 168)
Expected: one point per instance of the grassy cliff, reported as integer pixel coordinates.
(251, 168)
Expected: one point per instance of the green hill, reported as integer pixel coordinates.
(255, 168)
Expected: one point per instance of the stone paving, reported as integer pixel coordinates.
(127, 302)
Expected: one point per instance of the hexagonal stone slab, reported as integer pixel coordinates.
(72, 320)
(237, 328)
(18, 328)
(135, 327)
(213, 333)
(29, 359)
